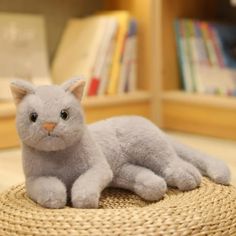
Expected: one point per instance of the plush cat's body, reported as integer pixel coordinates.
(64, 159)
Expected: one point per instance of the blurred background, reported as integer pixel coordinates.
(171, 61)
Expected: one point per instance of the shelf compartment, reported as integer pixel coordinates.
(199, 113)
(96, 108)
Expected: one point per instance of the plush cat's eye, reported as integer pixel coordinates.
(33, 116)
(64, 114)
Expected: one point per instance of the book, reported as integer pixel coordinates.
(217, 45)
(76, 53)
(192, 50)
(131, 84)
(128, 73)
(209, 43)
(123, 18)
(23, 50)
(201, 49)
(200, 61)
(183, 55)
(102, 88)
(100, 65)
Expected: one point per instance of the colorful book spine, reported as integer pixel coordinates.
(107, 67)
(216, 45)
(192, 49)
(184, 60)
(201, 47)
(128, 75)
(95, 72)
(123, 18)
(209, 43)
(132, 65)
(100, 63)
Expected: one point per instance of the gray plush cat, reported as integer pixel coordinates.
(65, 160)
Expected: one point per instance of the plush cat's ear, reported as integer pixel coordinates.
(75, 86)
(19, 89)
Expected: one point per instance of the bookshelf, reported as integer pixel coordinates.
(159, 96)
(182, 111)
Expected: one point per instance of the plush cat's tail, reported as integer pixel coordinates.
(208, 166)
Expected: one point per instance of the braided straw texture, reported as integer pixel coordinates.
(208, 210)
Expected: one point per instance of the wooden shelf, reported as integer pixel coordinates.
(126, 98)
(224, 102)
(178, 110)
(96, 108)
(199, 113)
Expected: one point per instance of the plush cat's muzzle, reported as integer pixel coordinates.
(49, 126)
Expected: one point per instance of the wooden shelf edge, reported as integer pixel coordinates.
(102, 101)
(202, 114)
(200, 99)
(7, 109)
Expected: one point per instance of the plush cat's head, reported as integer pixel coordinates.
(49, 118)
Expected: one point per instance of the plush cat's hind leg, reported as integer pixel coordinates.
(140, 180)
(145, 145)
(211, 167)
(158, 155)
(182, 175)
(176, 172)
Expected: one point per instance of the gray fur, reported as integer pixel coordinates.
(76, 162)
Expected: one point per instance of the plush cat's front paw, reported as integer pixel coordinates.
(49, 192)
(85, 200)
(52, 200)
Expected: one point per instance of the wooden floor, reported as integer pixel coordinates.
(11, 170)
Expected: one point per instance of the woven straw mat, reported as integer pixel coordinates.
(207, 210)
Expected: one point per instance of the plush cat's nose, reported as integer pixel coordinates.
(49, 126)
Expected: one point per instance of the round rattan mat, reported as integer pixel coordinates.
(208, 210)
